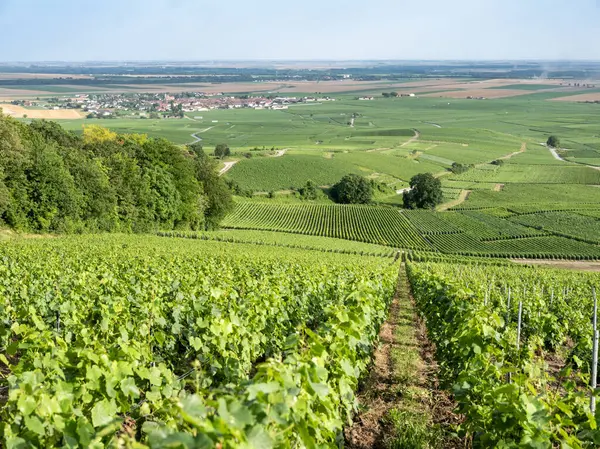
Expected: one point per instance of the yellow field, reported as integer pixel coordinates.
(50, 114)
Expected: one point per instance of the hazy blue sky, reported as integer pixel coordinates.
(78, 30)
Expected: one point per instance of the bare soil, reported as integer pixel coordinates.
(50, 114)
(590, 96)
(581, 265)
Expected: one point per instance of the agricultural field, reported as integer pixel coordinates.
(290, 171)
(533, 174)
(286, 240)
(469, 233)
(298, 321)
(370, 224)
(394, 137)
(586, 229)
(510, 173)
(509, 336)
(173, 336)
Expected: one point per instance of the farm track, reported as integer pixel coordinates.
(195, 135)
(409, 141)
(280, 153)
(412, 139)
(559, 158)
(508, 156)
(464, 195)
(227, 167)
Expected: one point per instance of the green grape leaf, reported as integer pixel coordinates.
(103, 413)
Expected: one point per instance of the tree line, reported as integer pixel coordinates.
(53, 180)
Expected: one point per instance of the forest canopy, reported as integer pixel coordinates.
(53, 180)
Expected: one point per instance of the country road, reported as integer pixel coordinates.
(227, 167)
(555, 153)
(280, 153)
(559, 158)
(196, 137)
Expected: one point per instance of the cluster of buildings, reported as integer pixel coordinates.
(105, 105)
(233, 102)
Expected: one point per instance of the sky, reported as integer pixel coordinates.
(142, 30)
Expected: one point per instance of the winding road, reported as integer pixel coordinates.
(196, 137)
(558, 157)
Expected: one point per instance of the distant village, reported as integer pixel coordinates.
(157, 105)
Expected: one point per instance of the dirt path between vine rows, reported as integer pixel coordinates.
(412, 139)
(508, 156)
(464, 195)
(400, 395)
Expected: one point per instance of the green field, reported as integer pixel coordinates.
(282, 328)
(493, 325)
(468, 233)
(458, 130)
(380, 225)
(108, 326)
(394, 139)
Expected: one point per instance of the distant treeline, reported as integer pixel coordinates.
(52, 180)
(373, 71)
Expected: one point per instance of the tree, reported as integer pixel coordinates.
(197, 149)
(97, 134)
(352, 189)
(553, 142)
(218, 195)
(222, 150)
(425, 192)
(309, 191)
(459, 168)
(54, 180)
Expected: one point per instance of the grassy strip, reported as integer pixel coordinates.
(410, 423)
(397, 402)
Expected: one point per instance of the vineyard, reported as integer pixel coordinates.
(379, 225)
(534, 174)
(515, 347)
(155, 342)
(488, 233)
(285, 240)
(580, 227)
